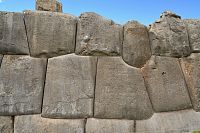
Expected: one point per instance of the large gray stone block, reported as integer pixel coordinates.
(136, 47)
(193, 27)
(6, 124)
(168, 36)
(109, 126)
(50, 34)
(37, 124)
(120, 91)
(97, 35)
(69, 88)
(166, 85)
(185, 121)
(191, 69)
(13, 39)
(21, 85)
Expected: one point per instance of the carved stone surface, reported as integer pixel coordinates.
(13, 38)
(168, 36)
(21, 84)
(109, 126)
(97, 35)
(136, 47)
(191, 69)
(49, 5)
(120, 91)
(166, 85)
(6, 124)
(37, 124)
(185, 121)
(193, 27)
(69, 88)
(50, 34)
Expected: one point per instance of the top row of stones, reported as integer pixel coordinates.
(50, 34)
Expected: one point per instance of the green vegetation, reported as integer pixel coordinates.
(196, 132)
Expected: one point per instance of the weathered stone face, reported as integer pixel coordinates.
(166, 85)
(49, 5)
(109, 126)
(1, 57)
(50, 34)
(13, 38)
(168, 36)
(120, 91)
(21, 85)
(136, 47)
(6, 124)
(37, 124)
(191, 69)
(98, 36)
(69, 88)
(185, 121)
(193, 27)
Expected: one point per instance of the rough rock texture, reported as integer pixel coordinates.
(166, 85)
(185, 121)
(6, 124)
(168, 36)
(191, 69)
(37, 124)
(109, 126)
(21, 84)
(98, 36)
(50, 34)
(136, 47)
(193, 27)
(69, 88)
(120, 91)
(13, 38)
(49, 5)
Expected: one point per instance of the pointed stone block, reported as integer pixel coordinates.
(169, 37)
(69, 89)
(120, 91)
(37, 124)
(13, 39)
(50, 34)
(136, 47)
(21, 85)
(166, 84)
(109, 126)
(97, 35)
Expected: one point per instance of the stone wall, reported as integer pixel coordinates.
(63, 74)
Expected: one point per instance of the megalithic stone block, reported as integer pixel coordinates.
(191, 69)
(69, 89)
(50, 34)
(37, 124)
(166, 84)
(49, 5)
(21, 85)
(97, 35)
(185, 121)
(109, 126)
(193, 27)
(13, 39)
(120, 91)
(136, 47)
(6, 124)
(169, 37)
